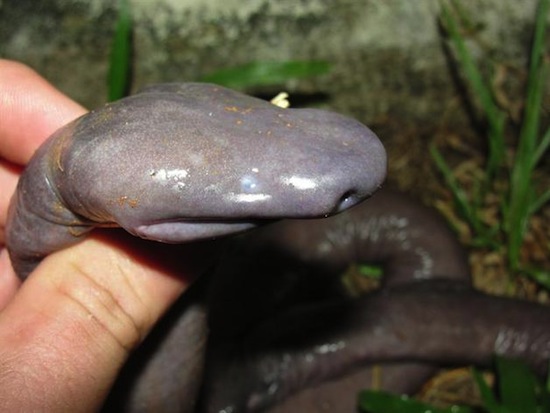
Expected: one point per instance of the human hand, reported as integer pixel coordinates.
(67, 330)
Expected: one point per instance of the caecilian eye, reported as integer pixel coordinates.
(249, 184)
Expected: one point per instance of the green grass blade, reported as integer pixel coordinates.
(517, 386)
(375, 272)
(464, 17)
(121, 54)
(382, 402)
(495, 117)
(543, 146)
(540, 202)
(266, 73)
(461, 199)
(521, 202)
(540, 276)
(545, 397)
(521, 190)
(489, 401)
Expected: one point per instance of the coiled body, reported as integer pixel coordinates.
(285, 337)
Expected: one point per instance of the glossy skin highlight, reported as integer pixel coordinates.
(183, 162)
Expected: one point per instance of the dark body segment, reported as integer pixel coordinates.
(306, 337)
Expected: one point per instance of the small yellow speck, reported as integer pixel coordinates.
(281, 100)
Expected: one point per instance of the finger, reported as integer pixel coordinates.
(69, 329)
(9, 174)
(9, 282)
(31, 109)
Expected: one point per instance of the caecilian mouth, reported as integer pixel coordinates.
(187, 231)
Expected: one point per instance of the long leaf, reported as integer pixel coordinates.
(540, 276)
(540, 202)
(489, 400)
(266, 73)
(121, 54)
(495, 117)
(464, 205)
(543, 145)
(518, 386)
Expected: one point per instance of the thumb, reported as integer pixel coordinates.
(66, 333)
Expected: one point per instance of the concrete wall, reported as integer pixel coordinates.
(387, 55)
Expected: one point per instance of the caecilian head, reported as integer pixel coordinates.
(198, 160)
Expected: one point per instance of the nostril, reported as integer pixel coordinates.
(347, 200)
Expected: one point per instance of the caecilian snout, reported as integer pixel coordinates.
(342, 180)
(360, 175)
(348, 199)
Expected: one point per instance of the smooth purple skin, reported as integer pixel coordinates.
(182, 162)
(165, 373)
